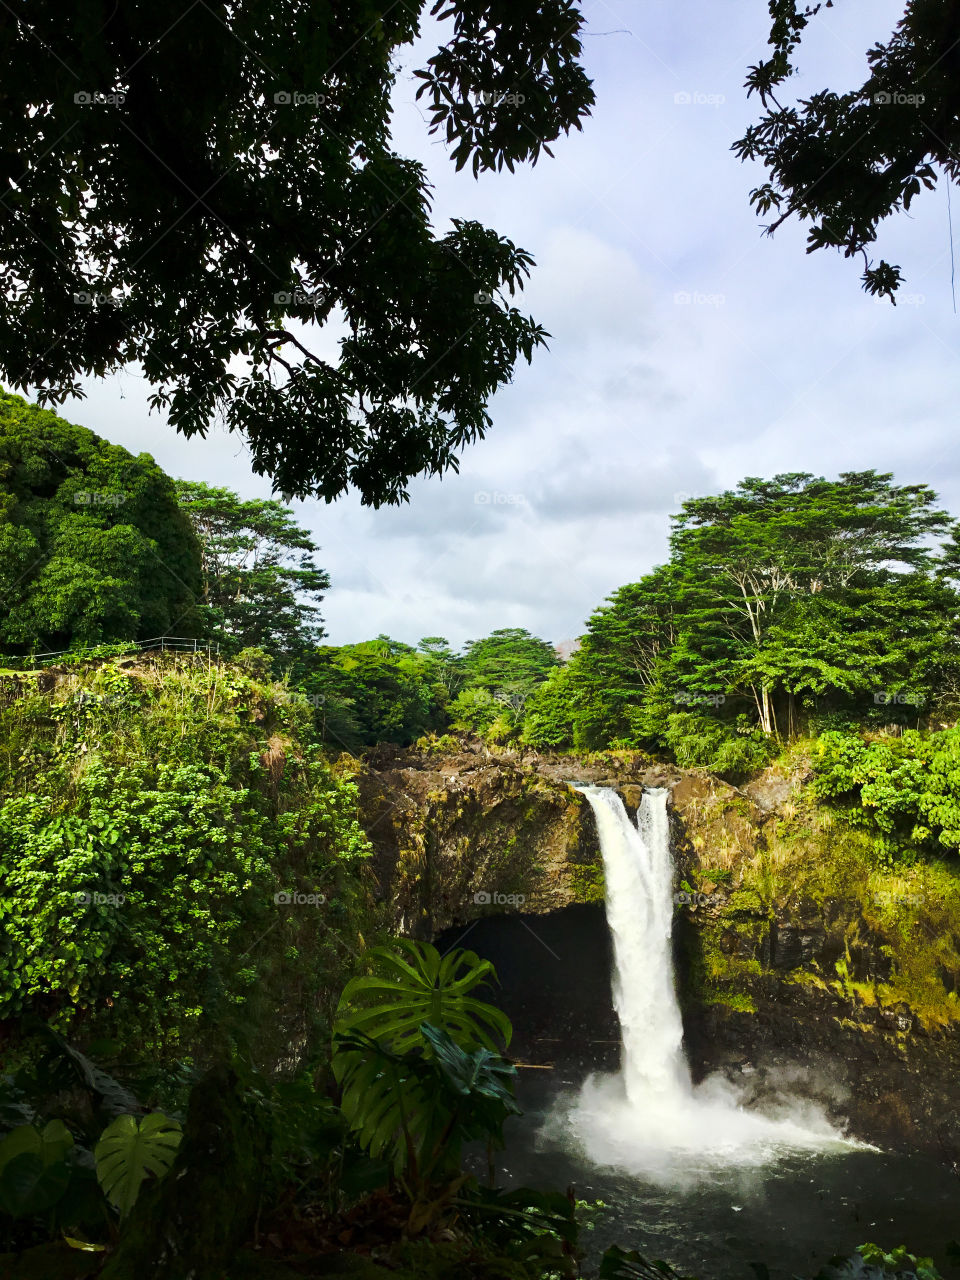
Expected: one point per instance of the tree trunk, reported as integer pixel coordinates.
(766, 710)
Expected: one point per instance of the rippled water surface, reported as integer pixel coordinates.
(792, 1214)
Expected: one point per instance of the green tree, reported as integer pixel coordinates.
(618, 675)
(474, 711)
(260, 583)
(756, 563)
(447, 663)
(376, 691)
(190, 184)
(93, 546)
(780, 595)
(549, 714)
(508, 663)
(845, 161)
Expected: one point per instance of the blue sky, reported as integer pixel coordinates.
(688, 350)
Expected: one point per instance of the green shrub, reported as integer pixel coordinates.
(700, 741)
(905, 790)
(474, 711)
(154, 828)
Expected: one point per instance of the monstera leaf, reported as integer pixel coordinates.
(129, 1151)
(479, 1072)
(416, 1109)
(413, 984)
(390, 1100)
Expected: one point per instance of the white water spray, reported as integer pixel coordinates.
(650, 1119)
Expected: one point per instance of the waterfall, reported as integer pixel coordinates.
(651, 1119)
(639, 876)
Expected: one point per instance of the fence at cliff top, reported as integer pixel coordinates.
(91, 653)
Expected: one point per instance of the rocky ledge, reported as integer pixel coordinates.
(798, 956)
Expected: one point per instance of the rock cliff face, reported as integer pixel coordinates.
(797, 956)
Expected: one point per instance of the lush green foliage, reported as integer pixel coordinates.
(261, 587)
(412, 984)
(509, 663)
(476, 711)
(376, 691)
(416, 1109)
(387, 691)
(93, 546)
(155, 823)
(906, 790)
(203, 187)
(697, 741)
(783, 601)
(65, 1174)
(129, 1151)
(550, 716)
(384, 691)
(417, 1057)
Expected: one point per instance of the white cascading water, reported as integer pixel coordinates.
(650, 1119)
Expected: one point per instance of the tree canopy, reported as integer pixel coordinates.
(201, 188)
(783, 600)
(508, 663)
(93, 546)
(261, 585)
(843, 162)
(379, 690)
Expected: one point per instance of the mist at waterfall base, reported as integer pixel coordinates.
(650, 1120)
(687, 1173)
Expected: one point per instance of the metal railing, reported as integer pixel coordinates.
(176, 644)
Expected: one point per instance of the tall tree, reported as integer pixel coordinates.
(376, 691)
(508, 663)
(447, 664)
(746, 557)
(779, 594)
(260, 582)
(618, 673)
(188, 184)
(93, 546)
(844, 162)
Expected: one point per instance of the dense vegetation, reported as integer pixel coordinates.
(784, 603)
(156, 818)
(261, 586)
(93, 544)
(194, 982)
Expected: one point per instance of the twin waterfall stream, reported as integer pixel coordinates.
(651, 1120)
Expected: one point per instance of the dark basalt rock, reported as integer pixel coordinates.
(791, 945)
(810, 992)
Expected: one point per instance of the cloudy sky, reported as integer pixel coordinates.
(687, 350)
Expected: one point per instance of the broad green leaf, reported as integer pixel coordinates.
(129, 1151)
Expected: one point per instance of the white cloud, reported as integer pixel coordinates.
(777, 362)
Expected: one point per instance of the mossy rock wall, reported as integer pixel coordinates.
(801, 956)
(466, 836)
